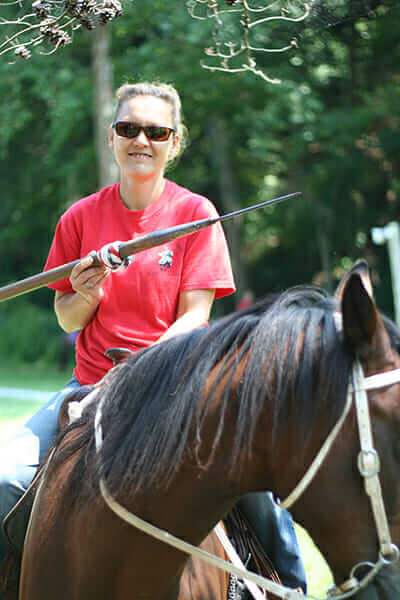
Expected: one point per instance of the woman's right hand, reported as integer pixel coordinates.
(87, 279)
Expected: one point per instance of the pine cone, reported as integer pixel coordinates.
(47, 26)
(115, 5)
(111, 9)
(41, 9)
(63, 38)
(74, 7)
(22, 52)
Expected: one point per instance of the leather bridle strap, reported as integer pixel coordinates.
(368, 459)
(369, 466)
(374, 382)
(363, 384)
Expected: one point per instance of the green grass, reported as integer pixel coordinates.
(35, 377)
(319, 576)
(14, 412)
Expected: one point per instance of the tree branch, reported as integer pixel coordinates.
(233, 27)
(53, 22)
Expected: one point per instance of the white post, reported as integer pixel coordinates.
(391, 235)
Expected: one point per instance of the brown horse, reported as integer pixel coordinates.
(191, 425)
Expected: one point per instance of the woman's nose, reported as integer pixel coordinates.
(141, 138)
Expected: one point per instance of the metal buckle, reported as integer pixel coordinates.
(363, 458)
(392, 556)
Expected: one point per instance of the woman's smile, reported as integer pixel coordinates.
(140, 155)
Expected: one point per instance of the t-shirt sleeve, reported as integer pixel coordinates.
(207, 262)
(65, 248)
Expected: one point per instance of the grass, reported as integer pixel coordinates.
(319, 576)
(14, 412)
(35, 377)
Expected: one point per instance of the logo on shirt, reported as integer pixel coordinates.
(165, 261)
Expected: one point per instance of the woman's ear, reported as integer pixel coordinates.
(174, 149)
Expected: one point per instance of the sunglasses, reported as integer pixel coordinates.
(152, 132)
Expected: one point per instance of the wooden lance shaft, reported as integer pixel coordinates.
(156, 238)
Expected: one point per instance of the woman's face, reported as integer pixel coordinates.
(140, 158)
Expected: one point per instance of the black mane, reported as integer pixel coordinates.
(295, 360)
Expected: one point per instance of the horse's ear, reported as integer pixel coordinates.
(359, 313)
(362, 269)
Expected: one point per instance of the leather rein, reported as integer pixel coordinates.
(368, 466)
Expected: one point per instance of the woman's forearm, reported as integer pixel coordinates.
(193, 312)
(73, 311)
(187, 322)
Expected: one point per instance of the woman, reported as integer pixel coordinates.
(164, 291)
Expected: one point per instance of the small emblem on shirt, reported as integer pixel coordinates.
(165, 261)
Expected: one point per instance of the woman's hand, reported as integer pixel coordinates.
(87, 279)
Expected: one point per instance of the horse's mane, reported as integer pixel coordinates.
(294, 358)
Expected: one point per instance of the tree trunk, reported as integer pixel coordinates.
(222, 164)
(103, 104)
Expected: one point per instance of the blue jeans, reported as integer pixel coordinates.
(276, 533)
(20, 457)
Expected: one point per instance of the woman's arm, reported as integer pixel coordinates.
(75, 309)
(194, 310)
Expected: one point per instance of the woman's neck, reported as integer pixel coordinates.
(139, 195)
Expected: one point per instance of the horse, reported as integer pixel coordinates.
(192, 424)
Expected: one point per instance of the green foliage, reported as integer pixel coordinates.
(29, 334)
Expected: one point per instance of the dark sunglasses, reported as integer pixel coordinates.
(152, 132)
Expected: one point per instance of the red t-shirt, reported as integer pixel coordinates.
(140, 301)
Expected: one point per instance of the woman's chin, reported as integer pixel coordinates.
(142, 176)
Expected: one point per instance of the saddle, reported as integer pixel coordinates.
(250, 551)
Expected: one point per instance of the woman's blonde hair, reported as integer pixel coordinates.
(166, 92)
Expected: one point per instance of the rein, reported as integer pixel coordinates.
(368, 466)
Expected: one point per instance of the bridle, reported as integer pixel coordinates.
(368, 466)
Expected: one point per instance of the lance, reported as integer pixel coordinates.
(126, 249)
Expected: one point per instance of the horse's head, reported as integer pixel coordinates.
(371, 525)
